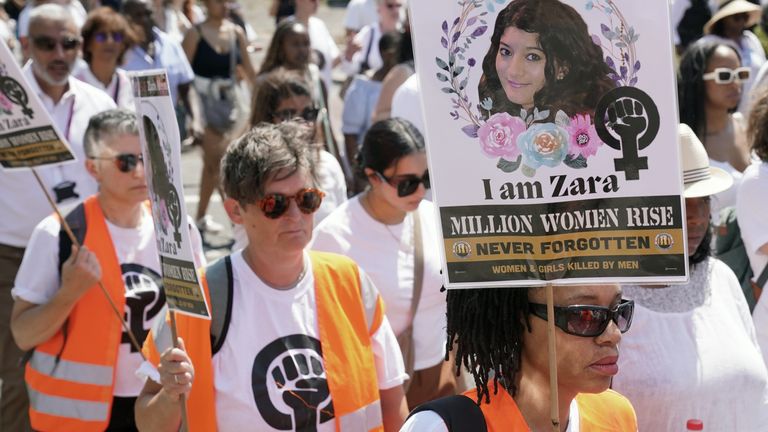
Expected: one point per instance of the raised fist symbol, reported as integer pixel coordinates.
(627, 119)
(305, 389)
(289, 384)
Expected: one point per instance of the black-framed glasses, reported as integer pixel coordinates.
(723, 75)
(588, 320)
(47, 43)
(102, 37)
(309, 114)
(125, 162)
(406, 184)
(276, 204)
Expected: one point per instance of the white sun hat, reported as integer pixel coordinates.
(699, 179)
(734, 7)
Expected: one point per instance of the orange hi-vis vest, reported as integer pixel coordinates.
(349, 312)
(601, 412)
(70, 377)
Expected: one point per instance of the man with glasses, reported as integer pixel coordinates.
(80, 375)
(53, 46)
(299, 340)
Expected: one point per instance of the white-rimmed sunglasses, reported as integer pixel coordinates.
(727, 76)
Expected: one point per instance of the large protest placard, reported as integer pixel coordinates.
(552, 139)
(161, 150)
(28, 137)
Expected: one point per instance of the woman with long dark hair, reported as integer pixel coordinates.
(389, 230)
(542, 56)
(709, 87)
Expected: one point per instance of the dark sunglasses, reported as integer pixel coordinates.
(101, 37)
(588, 321)
(723, 75)
(47, 43)
(276, 204)
(309, 114)
(394, 5)
(125, 162)
(407, 184)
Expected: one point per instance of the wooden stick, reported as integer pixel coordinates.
(552, 351)
(183, 398)
(72, 237)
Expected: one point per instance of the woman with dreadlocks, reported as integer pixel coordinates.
(500, 335)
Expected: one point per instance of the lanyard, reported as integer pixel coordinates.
(69, 120)
(117, 88)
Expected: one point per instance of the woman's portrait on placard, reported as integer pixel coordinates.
(541, 77)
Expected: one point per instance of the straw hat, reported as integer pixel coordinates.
(734, 7)
(699, 179)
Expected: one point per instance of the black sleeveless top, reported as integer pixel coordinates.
(208, 63)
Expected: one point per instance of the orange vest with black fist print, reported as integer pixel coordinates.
(349, 312)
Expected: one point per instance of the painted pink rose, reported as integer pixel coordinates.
(498, 136)
(583, 136)
(5, 104)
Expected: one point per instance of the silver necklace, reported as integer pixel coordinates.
(397, 239)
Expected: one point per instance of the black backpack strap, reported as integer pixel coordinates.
(365, 65)
(763, 277)
(76, 221)
(460, 413)
(220, 286)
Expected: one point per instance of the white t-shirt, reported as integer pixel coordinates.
(331, 179)
(286, 348)
(360, 13)
(760, 318)
(119, 89)
(38, 281)
(332, 182)
(430, 421)
(752, 213)
(692, 353)
(386, 253)
(321, 40)
(22, 204)
(367, 36)
(406, 103)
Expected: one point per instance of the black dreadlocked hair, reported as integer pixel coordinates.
(485, 327)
